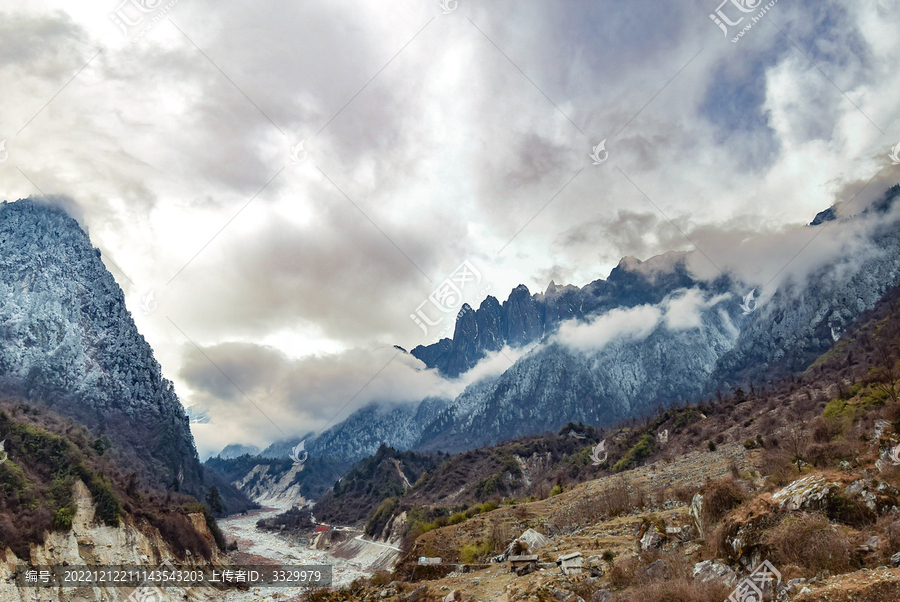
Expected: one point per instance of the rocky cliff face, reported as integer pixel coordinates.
(67, 339)
(556, 384)
(525, 318)
(89, 543)
(573, 379)
(806, 319)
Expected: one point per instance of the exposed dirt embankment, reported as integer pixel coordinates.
(88, 543)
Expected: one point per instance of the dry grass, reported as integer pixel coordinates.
(812, 542)
(676, 590)
(720, 497)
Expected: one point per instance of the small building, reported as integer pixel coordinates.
(570, 563)
(522, 565)
(426, 560)
(322, 528)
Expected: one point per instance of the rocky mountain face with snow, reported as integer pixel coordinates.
(650, 335)
(279, 482)
(525, 318)
(805, 319)
(67, 340)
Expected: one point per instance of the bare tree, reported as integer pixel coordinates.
(885, 376)
(794, 443)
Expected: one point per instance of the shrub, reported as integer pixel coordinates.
(828, 454)
(628, 572)
(180, 533)
(381, 516)
(556, 490)
(63, 519)
(711, 446)
(720, 497)
(213, 527)
(677, 590)
(643, 449)
(472, 551)
(848, 510)
(811, 542)
(776, 466)
(457, 518)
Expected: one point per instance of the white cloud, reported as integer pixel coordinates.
(450, 151)
(627, 324)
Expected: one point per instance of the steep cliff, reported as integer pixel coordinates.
(68, 340)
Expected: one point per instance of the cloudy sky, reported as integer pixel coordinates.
(291, 180)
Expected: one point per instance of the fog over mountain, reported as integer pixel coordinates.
(651, 335)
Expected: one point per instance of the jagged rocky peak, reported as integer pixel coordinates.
(525, 318)
(67, 340)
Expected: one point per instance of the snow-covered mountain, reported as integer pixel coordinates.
(67, 340)
(649, 335)
(396, 425)
(525, 318)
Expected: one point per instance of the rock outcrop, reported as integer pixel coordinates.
(89, 543)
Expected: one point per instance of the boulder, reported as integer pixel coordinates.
(651, 540)
(533, 540)
(744, 532)
(416, 595)
(812, 493)
(453, 596)
(656, 570)
(602, 595)
(696, 513)
(714, 570)
(530, 538)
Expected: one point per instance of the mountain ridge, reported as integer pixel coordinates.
(68, 340)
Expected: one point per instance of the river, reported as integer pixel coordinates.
(351, 560)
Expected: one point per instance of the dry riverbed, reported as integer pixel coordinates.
(349, 560)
